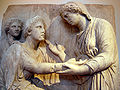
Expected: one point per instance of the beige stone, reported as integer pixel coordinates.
(78, 53)
(12, 34)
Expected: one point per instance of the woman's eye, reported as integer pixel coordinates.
(65, 16)
(40, 26)
(13, 26)
(19, 27)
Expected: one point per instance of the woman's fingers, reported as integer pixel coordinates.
(64, 72)
(47, 42)
(95, 51)
(91, 52)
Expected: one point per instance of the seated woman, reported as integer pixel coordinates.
(20, 61)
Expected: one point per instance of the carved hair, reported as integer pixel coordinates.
(86, 40)
(75, 7)
(31, 22)
(11, 21)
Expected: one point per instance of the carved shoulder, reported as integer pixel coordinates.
(103, 25)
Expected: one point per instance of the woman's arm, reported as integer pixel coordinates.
(106, 55)
(106, 43)
(33, 66)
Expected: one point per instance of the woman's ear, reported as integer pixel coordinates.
(29, 32)
(8, 31)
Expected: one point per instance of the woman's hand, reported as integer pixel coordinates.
(73, 61)
(55, 49)
(58, 50)
(93, 52)
(72, 69)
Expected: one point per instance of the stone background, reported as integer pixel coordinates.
(49, 11)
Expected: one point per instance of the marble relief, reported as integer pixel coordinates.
(59, 47)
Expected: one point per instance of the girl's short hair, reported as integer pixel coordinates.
(31, 22)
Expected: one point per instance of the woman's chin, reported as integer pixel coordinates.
(71, 23)
(41, 39)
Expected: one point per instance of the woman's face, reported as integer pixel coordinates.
(71, 18)
(38, 31)
(15, 29)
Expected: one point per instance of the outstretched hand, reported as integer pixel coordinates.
(68, 69)
(73, 61)
(73, 69)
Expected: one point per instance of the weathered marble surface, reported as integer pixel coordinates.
(25, 12)
(60, 32)
(12, 34)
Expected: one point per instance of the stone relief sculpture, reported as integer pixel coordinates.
(13, 30)
(95, 48)
(87, 52)
(21, 61)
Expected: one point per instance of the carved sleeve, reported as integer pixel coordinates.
(106, 44)
(32, 65)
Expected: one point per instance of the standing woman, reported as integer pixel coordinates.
(96, 45)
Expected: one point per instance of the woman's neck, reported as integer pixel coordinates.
(82, 25)
(31, 43)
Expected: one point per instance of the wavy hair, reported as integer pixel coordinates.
(31, 22)
(11, 21)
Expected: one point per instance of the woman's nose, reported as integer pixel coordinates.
(43, 30)
(17, 29)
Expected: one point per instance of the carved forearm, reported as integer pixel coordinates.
(83, 70)
(44, 68)
(100, 62)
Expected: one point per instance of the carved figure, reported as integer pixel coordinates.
(21, 61)
(13, 30)
(96, 48)
(94, 65)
